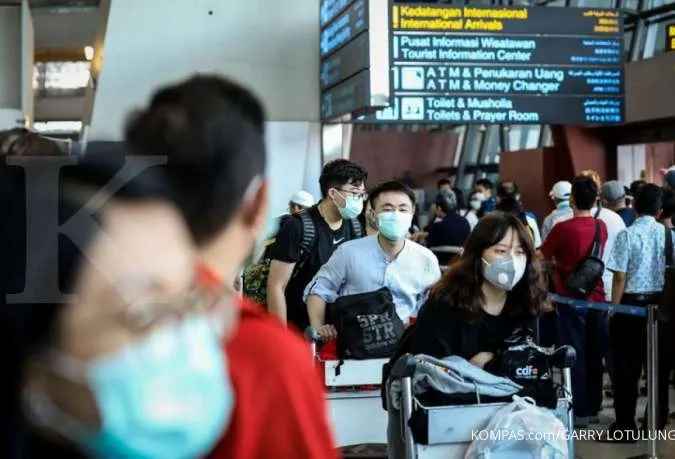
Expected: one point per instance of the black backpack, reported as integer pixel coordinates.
(367, 325)
(254, 279)
(585, 276)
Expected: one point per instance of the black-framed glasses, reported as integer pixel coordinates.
(357, 194)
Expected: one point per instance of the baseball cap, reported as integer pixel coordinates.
(670, 178)
(302, 198)
(561, 190)
(612, 191)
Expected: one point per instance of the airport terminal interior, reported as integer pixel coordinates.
(527, 91)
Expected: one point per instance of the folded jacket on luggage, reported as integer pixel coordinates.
(455, 375)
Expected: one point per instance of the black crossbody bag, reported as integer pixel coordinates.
(585, 276)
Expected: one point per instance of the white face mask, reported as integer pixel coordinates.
(505, 273)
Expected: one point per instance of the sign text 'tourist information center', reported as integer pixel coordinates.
(505, 65)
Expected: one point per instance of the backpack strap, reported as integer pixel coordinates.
(307, 242)
(595, 248)
(669, 247)
(308, 233)
(357, 229)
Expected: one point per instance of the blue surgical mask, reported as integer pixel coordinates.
(394, 225)
(562, 204)
(168, 397)
(353, 207)
(475, 204)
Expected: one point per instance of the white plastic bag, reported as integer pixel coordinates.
(520, 430)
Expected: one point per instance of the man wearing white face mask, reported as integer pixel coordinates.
(385, 260)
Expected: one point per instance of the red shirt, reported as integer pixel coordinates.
(568, 243)
(280, 408)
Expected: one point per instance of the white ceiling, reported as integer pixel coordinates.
(64, 28)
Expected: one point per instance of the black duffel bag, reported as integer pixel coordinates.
(367, 325)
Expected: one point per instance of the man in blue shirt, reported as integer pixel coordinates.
(613, 196)
(638, 260)
(485, 187)
(385, 260)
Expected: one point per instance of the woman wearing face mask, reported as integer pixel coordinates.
(474, 213)
(488, 293)
(130, 366)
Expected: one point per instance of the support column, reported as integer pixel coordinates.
(16, 62)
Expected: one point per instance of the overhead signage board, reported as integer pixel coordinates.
(354, 57)
(329, 9)
(670, 37)
(507, 65)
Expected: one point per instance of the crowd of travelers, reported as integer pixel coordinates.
(125, 332)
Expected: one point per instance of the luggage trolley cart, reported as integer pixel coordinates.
(354, 398)
(448, 429)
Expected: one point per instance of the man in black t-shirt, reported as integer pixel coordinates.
(334, 222)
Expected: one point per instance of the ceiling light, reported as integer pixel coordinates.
(89, 52)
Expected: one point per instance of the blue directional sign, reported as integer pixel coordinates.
(510, 65)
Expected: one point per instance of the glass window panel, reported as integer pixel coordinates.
(472, 145)
(630, 4)
(491, 144)
(461, 133)
(514, 136)
(656, 38)
(494, 178)
(627, 40)
(652, 40)
(594, 3)
(547, 137)
(466, 182)
(532, 137)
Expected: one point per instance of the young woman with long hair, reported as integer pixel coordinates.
(493, 289)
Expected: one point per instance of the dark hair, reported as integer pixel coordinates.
(212, 132)
(26, 143)
(388, 187)
(9, 137)
(485, 183)
(635, 187)
(339, 173)
(443, 182)
(584, 192)
(460, 289)
(507, 192)
(668, 208)
(446, 201)
(649, 200)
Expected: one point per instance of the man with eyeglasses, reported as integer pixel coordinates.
(297, 254)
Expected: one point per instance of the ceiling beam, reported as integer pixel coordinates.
(59, 54)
